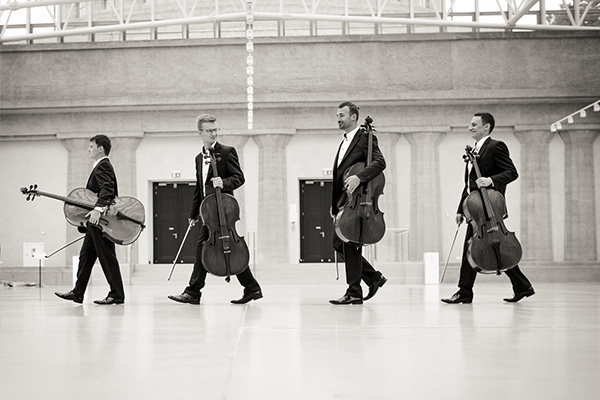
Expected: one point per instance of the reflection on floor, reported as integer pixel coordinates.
(402, 344)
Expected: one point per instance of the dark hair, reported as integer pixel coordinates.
(104, 141)
(205, 118)
(351, 106)
(487, 118)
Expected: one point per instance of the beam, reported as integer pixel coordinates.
(525, 7)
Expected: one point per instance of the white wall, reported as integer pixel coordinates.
(23, 163)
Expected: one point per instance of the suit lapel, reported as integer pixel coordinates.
(210, 172)
(353, 143)
(337, 155)
(480, 152)
(483, 147)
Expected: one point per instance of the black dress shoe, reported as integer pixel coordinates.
(345, 299)
(248, 297)
(374, 287)
(519, 295)
(70, 296)
(109, 300)
(185, 298)
(458, 298)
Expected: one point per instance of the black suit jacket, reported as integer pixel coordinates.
(357, 152)
(103, 182)
(228, 169)
(494, 162)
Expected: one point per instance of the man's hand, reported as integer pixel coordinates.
(351, 183)
(94, 216)
(459, 219)
(484, 182)
(192, 221)
(217, 182)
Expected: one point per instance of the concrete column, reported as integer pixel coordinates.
(388, 203)
(272, 235)
(536, 221)
(238, 142)
(580, 192)
(425, 221)
(123, 158)
(78, 163)
(79, 166)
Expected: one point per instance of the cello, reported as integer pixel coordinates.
(121, 224)
(360, 220)
(492, 248)
(224, 253)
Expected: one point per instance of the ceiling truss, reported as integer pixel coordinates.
(43, 21)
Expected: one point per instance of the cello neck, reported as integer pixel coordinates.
(482, 190)
(67, 200)
(218, 194)
(369, 131)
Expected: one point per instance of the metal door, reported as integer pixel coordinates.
(316, 226)
(171, 204)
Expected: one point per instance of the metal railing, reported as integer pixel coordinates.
(59, 21)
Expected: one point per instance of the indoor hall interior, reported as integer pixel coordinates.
(404, 343)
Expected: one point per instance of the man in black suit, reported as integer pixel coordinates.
(103, 182)
(497, 171)
(354, 149)
(230, 177)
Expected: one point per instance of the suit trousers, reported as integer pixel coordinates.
(95, 246)
(198, 277)
(357, 267)
(467, 274)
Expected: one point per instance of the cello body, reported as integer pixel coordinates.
(122, 223)
(360, 220)
(481, 252)
(216, 259)
(492, 248)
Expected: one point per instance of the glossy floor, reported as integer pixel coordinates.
(402, 344)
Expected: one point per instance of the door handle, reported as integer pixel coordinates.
(175, 235)
(323, 234)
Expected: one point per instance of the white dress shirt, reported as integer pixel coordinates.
(476, 149)
(345, 144)
(205, 167)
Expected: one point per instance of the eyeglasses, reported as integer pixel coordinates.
(213, 130)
